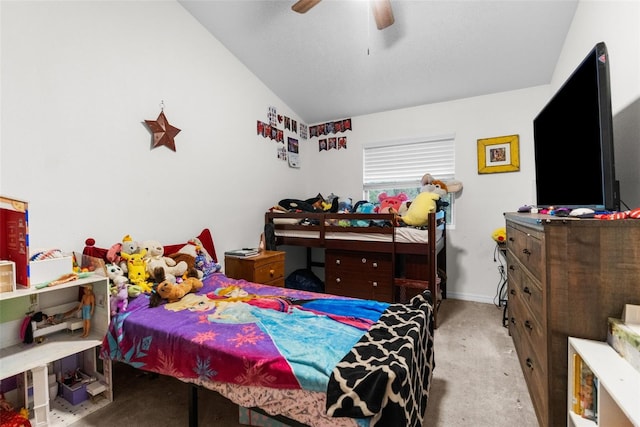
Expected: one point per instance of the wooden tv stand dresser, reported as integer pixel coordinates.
(566, 276)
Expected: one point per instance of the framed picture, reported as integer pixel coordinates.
(499, 154)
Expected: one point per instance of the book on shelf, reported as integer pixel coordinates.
(244, 252)
(588, 393)
(577, 367)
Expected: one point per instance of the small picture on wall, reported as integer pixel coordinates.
(346, 124)
(342, 142)
(292, 145)
(333, 143)
(322, 144)
(498, 154)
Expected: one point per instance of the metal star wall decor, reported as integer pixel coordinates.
(163, 132)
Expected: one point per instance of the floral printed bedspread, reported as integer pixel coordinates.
(237, 332)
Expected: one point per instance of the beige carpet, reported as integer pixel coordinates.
(477, 382)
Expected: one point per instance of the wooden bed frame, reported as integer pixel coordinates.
(385, 269)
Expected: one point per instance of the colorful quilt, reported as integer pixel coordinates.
(244, 333)
(247, 334)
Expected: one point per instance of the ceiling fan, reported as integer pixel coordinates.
(381, 10)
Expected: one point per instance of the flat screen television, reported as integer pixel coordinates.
(573, 141)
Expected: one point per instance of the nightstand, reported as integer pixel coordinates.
(266, 268)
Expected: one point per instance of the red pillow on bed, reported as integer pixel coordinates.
(205, 238)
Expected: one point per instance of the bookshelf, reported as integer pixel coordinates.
(618, 385)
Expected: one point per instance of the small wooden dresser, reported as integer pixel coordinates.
(366, 275)
(266, 267)
(566, 276)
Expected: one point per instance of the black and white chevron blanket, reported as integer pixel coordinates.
(386, 375)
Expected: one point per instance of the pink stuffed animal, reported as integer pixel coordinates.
(390, 204)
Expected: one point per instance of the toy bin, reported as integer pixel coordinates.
(74, 394)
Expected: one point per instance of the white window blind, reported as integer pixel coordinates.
(402, 164)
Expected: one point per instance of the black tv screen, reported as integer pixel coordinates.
(573, 140)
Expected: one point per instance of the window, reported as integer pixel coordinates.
(396, 167)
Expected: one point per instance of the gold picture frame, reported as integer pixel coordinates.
(499, 154)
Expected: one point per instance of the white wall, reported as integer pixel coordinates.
(472, 273)
(78, 80)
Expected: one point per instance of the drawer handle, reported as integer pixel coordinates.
(364, 260)
(512, 291)
(528, 325)
(513, 320)
(375, 265)
(512, 268)
(511, 239)
(271, 272)
(375, 284)
(337, 280)
(526, 251)
(529, 363)
(526, 290)
(338, 262)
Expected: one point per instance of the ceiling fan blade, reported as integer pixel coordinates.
(382, 13)
(303, 6)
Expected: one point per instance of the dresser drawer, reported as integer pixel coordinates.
(533, 363)
(526, 288)
(270, 272)
(359, 275)
(528, 326)
(535, 376)
(527, 245)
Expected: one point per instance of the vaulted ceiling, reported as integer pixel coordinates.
(332, 62)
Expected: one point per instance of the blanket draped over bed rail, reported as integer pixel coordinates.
(386, 374)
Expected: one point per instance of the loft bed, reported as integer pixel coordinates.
(362, 363)
(369, 255)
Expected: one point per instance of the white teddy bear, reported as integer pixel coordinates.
(119, 298)
(155, 258)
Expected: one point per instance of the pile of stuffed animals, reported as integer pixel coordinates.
(142, 268)
(406, 212)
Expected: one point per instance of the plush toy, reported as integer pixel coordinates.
(206, 264)
(113, 254)
(363, 207)
(119, 299)
(117, 276)
(451, 186)
(345, 204)
(137, 268)
(390, 204)
(204, 261)
(500, 235)
(188, 258)
(128, 246)
(172, 292)
(423, 204)
(155, 258)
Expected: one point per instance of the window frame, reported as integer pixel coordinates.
(412, 184)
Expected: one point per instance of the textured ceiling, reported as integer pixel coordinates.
(332, 62)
